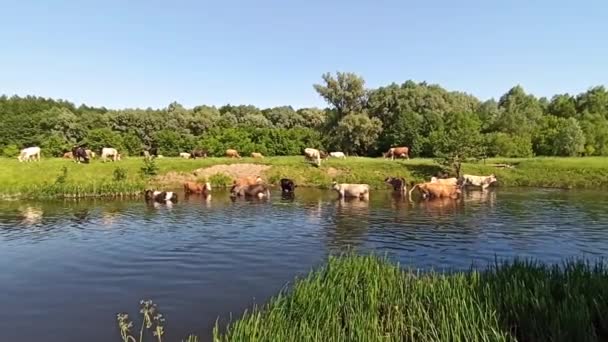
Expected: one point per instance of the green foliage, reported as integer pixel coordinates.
(359, 120)
(499, 144)
(62, 178)
(220, 180)
(460, 140)
(97, 139)
(368, 298)
(560, 136)
(55, 145)
(149, 167)
(10, 151)
(357, 133)
(119, 174)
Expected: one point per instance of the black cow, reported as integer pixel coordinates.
(287, 185)
(198, 153)
(80, 154)
(398, 184)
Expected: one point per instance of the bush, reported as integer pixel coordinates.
(10, 151)
(509, 146)
(220, 180)
(119, 174)
(149, 168)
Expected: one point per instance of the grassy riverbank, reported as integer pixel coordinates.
(96, 179)
(365, 298)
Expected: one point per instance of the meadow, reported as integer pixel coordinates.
(48, 179)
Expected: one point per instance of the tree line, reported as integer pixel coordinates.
(431, 120)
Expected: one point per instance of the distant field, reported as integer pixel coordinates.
(588, 172)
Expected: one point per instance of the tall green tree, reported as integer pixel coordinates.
(345, 92)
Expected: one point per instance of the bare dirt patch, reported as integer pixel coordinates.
(172, 177)
(232, 170)
(332, 172)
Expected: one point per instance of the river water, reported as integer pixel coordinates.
(68, 267)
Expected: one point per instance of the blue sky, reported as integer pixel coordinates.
(149, 53)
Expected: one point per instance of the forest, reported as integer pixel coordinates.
(431, 120)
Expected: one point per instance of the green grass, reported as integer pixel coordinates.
(366, 298)
(29, 179)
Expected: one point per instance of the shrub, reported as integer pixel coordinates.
(119, 174)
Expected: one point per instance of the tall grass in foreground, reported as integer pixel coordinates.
(366, 298)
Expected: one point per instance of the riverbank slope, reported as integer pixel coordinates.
(47, 179)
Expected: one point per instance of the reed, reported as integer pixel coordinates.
(368, 298)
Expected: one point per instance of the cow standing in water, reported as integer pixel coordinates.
(480, 181)
(399, 185)
(27, 154)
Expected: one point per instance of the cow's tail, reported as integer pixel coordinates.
(412, 190)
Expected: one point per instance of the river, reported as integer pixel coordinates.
(67, 267)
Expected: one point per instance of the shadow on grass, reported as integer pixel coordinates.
(424, 172)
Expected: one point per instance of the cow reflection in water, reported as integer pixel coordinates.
(31, 215)
(487, 197)
(440, 207)
(351, 223)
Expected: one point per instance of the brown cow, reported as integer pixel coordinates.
(249, 180)
(68, 155)
(230, 153)
(436, 190)
(197, 188)
(256, 155)
(397, 152)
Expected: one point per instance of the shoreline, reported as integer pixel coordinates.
(42, 180)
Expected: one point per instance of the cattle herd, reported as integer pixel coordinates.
(254, 186)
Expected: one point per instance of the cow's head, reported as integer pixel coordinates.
(491, 179)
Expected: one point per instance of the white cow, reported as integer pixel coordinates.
(479, 181)
(28, 153)
(185, 155)
(313, 154)
(351, 190)
(337, 155)
(448, 181)
(109, 152)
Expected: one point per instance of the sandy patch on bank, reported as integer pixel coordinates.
(332, 172)
(233, 170)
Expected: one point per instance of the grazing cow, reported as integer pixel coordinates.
(248, 191)
(351, 190)
(397, 152)
(68, 155)
(256, 155)
(436, 190)
(337, 155)
(398, 184)
(198, 153)
(80, 154)
(184, 155)
(27, 154)
(90, 154)
(110, 152)
(160, 196)
(196, 188)
(230, 153)
(480, 181)
(448, 181)
(287, 185)
(312, 154)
